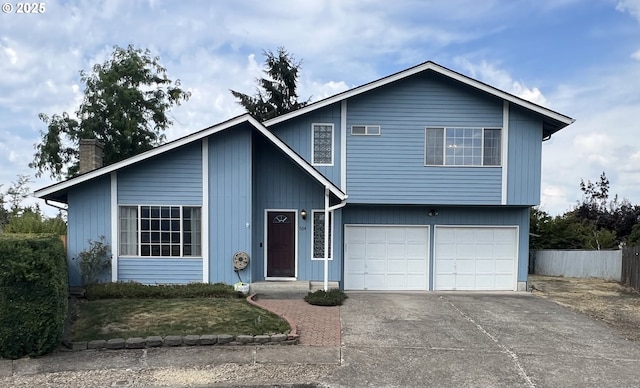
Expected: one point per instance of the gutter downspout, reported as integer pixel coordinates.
(327, 225)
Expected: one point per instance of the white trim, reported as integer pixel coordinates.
(343, 146)
(429, 65)
(115, 210)
(313, 131)
(204, 211)
(444, 149)
(331, 219)
(504, 143)
(428, 242)
(266, 242)
(139, 236)
(517, 248)
(188, 139)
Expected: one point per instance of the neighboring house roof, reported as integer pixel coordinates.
(552, 120)
(57, 192)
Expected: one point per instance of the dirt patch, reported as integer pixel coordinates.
(608, 301)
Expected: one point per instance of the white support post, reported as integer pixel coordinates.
(326, 239)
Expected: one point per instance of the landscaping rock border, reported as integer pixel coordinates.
(187, 340)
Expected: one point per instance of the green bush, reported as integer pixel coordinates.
(94, 261)
(133, 290)
(33, 294)
(333, 297)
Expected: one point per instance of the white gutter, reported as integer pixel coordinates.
(46, 201)
(327, 225)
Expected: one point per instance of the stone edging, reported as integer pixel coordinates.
(194, 340)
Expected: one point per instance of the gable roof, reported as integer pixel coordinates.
(57, 191)
(552, 122)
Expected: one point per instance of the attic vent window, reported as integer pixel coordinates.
(372, 130)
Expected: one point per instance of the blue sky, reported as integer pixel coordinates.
(578, 57)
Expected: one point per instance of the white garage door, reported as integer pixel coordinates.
(475, 258)
(386, 257)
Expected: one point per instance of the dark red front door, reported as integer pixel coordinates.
(281, 234)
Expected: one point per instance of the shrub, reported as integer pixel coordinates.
(33, 294)
(333, 297)
(94, 261)
(133, 290)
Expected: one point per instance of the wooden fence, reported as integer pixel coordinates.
(631, 267)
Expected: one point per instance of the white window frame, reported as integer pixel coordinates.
(368, 130)
(444, 151)
(139, 231)
(313, 131)
(331, 233)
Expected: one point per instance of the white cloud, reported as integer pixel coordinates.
(636, 55)
(501, 79)
(630, 6)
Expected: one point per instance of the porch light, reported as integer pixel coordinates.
(303, 214)
(432, 213)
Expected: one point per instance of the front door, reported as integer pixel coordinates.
(281, 235)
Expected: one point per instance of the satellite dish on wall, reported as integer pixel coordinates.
(240, 260)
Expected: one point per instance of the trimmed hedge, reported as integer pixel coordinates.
(134, 290)
(333, 297)
(33, 294)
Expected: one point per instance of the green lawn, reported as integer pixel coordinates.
(126, 318)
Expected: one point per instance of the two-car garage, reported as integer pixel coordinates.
(398, 257)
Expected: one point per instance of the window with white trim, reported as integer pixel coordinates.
(371, 130)
(322, 144)
(160, 231)
(317, 234)
(463, 146)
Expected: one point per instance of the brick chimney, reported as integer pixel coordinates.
(91, 153)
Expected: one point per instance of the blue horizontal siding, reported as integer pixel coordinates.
(460, 215)
(88, 218)
(390, 168)
(160, 270)
(172, 178)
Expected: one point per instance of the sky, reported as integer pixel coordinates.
(578, 57)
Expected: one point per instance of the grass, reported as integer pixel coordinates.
(126, 318)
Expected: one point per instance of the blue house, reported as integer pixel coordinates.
(421, 180)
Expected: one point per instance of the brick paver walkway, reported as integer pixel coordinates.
(317, 325)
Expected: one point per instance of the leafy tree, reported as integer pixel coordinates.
(26, 219)
(276, 94)
(125, 106)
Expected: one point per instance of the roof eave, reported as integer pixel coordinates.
(429, 65)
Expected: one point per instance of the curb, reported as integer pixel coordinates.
(293, 334)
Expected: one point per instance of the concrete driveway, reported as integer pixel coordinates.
(490, 340)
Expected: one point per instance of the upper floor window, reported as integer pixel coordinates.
(365, 130)
(322, 144)
(160, 231)
(463, 147)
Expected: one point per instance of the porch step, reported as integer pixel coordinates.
(286, 287)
